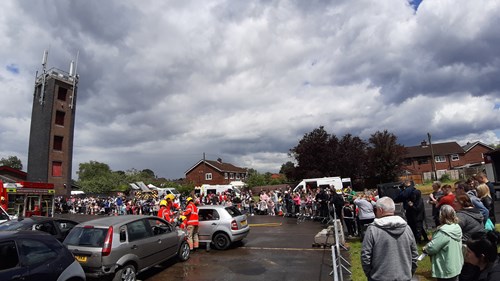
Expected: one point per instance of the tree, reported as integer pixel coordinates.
(149, 173)
(289, 170)
(13, 162)
(385, 157)
(313, 154)
(351, 157)
(96, 177)
(255, 179)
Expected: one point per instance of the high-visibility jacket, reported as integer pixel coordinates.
(191, 214)
(164, 214)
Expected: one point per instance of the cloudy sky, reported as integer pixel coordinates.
(162, 82)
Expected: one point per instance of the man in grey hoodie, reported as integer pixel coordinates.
(389, 251)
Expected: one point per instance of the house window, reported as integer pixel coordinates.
(439, 159)
(57, 169)
(225, 176)
(237, 176)
(231, 176)
(62, 93)
(423, 161)
(60, 118)
(455, 157)
(58, 143)
(407, 162)
(208, 176)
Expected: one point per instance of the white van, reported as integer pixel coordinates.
(162, 192)
(216, 189)
(337, 182)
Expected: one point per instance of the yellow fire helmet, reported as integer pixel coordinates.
(182, 218)
(170, 196)
(189, 199)
(163, 203)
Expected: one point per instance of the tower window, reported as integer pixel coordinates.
(62, 93)
(57, 169)
(60, 117)
(58, 143)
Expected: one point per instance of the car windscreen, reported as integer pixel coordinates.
(87, 237)
(3, 215)
(25, 224)
(233, 211)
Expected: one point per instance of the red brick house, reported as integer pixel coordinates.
(449, 158)
(8, 174)
(214, 172)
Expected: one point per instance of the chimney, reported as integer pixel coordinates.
(423, 143)
(219, 160)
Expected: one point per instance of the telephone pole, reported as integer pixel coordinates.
(432, 157)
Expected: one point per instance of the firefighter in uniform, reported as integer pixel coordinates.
(163, 212)
(191, 214)
(171, 208)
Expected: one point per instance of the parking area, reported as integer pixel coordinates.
(277, 248)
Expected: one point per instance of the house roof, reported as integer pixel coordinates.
(7, 173)
(469, 146)
(219, 166)
(445, 148)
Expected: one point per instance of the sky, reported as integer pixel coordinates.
(164, 82)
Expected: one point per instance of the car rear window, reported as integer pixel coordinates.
(233, 211)
(88, 237)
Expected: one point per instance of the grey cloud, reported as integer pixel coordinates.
(163, 82)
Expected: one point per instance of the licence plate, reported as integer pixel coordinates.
(243, 222)
(81, 258)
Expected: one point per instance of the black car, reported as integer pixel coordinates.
(34, 255)
(57, 227)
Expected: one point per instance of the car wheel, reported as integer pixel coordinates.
(221, 241)
(184, 252)
(126, 273)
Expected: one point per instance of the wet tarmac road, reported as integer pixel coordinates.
(276, 248)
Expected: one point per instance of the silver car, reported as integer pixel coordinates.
(123, 246)
(222, 225)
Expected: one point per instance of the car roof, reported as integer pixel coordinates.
(114, 220)
(41, 218)
(23, 234)
(38, 219)
(213, 207)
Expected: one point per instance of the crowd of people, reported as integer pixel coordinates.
(464, 242)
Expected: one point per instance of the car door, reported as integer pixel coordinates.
(42, 261)
(209, 220)
(143, 244)
(10, 266)
(166, 236)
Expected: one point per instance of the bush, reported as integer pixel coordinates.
(445, 178)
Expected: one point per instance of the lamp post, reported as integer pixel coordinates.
(432, 157)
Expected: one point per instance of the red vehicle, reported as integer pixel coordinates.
(25, 199)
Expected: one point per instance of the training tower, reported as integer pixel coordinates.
(50, 153)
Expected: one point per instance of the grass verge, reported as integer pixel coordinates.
(423, 269)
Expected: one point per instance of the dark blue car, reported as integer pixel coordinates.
(35, 255)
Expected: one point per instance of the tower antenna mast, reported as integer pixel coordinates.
(44, 73)
(72, 73)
